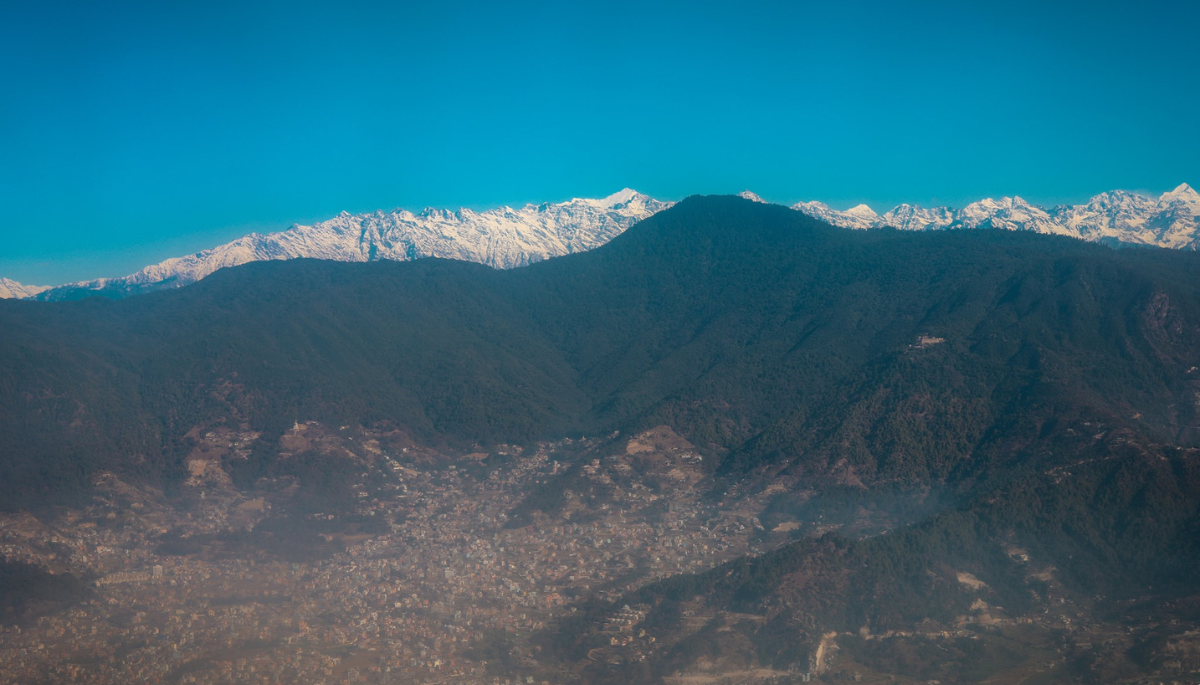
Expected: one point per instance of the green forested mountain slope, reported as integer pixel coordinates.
(770, 339)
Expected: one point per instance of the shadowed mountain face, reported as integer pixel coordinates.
(771, 340)
(1028, 403)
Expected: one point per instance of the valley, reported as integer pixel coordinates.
(425, 567)
(413, 575)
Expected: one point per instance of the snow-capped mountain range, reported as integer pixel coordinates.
(501, 238)
(506, 237)
(10, 289)
(1114, 217)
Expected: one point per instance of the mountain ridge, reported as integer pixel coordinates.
(10, 289)
(505, 237)
(501, 238)
(1113, 217)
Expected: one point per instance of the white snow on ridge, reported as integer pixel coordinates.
(913, 218)
(502, 238)
(10, 289)
(1116, 216)
(861, 217)
(617, 200)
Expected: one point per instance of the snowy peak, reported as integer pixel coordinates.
(620, 198)
(1182, 192)
(11, 290)
(862, 211)
(751, 196)
(853, 218)
(1183, 197)
(625, 200)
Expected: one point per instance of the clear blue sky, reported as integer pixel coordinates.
(130, 132)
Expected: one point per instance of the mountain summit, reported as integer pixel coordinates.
(1183, 194)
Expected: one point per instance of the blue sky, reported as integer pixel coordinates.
(131, 132)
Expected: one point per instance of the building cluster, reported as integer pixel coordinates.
(448, 588)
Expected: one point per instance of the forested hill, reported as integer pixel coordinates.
(777, 343)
